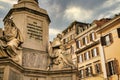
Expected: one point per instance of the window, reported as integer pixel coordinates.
(81, 73)
(112, 67)
(85, 41)
(81, 58)
(79, 30)
(107, 39)
(73, 36)
(78, 44)
(88, 71)
(98, 68)
(94, 52)
(66, 40)
(87, 55)
(118, 31)
(92, 36)
(34, 31)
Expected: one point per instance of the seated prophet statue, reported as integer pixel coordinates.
(60, 58)
(11, 40)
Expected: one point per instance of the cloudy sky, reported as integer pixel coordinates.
(63, 12)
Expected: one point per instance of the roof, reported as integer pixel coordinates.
(101, 21)
(74, 23)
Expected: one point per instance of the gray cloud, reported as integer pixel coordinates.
(94, 9)
(3, 11)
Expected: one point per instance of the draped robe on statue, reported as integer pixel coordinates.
(11, 40)
(59, 57)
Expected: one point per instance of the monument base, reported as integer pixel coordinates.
(10, 70)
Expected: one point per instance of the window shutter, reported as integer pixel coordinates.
(92, 53)
(90, 36)
(102, 40)
(111, 68)
(77, 44)
(81, 43)
(111, 38)
(84, 56)
(116, 66)
(87, 39)
(83, 40)
(97, 49)
(77, 59)
(108, 71)
(118, 31)
(89, 54)
(95, 35)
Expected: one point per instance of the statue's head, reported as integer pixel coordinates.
(9, 21)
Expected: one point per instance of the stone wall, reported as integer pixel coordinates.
(34, 59)
(14, 75)
(10, 70)
(62, 78)
(34, 78)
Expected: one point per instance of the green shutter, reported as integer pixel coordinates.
(118, 31)
(102, 40)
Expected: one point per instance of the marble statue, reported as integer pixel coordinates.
(60, 58)
(10, 42)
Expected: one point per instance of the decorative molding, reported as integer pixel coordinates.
(9, 62)
(87, 47)
(28, 10)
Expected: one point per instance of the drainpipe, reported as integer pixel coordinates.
(103, 60)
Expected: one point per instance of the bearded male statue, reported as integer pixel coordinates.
(11, 40)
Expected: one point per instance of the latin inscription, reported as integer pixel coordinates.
(34, 31)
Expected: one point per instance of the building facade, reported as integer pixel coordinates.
(110, 39)
(95, 47)
(68, 38)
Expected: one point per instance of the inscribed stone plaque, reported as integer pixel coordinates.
(34, 29)
(34, 59)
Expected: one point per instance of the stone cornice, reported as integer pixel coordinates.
(7, 61)
(25, 71)
(109, 24)
(27, 10)
(87, 47)
(68, 71)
